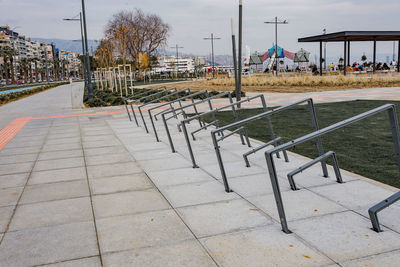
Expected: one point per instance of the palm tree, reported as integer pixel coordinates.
(35, 60)
(24, 69)
(8, 53)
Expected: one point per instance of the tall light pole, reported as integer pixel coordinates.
(84, 49)
(212, 38)
(276, 22)
(89, 75)
(177, 47)
(239, 77)
(324, 51)
(234, 57)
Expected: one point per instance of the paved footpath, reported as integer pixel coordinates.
(93, 189)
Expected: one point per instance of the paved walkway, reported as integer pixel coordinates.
(96, 190)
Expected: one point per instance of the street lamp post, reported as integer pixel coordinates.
(276, 22)
(324, 51)
(89, 78)
(84, 49)
(212, 38)
(239, 77)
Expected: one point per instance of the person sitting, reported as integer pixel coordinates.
(385, 66)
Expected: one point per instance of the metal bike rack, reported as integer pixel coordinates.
(213, 112)
(373, 211)
(183, 98)
(186, 90)
(144, 98)
(272, 170)
(135, 97)
(267, 115)
(182, 111)
(313, 162)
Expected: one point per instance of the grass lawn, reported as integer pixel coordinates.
(365, 148)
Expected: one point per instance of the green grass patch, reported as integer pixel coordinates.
(365, 147)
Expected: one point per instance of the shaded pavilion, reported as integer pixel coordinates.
(354, 36)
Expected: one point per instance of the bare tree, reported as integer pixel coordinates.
(135, 32)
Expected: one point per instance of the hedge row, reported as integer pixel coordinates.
(5, 98)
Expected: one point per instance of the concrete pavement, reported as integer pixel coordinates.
(96, 190)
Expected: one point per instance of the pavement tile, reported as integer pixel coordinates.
(354, 195)
(390, 259)
(99, 138)
(52, 176)
(49, 147)
(57, 136)
(51, 213)
(135, 147)
(187, 253)
(233, 169)
(254, 185)
(298, 205)
(109, 159)
(344, 236)
(19, 150)
(62, 154)
(107, 170)
(25, 143)
(222, 217)
(13, 180)
(102, 143)
(104, 150)
(5, 216)
(116, 184)
(13, 159)
(9, 196)
(266, 245)
(179, 176)
(68, 140)
(173, 162)
(16, 168)
(49, 244)
(141, 230)
(196, 193)
(55, 191)
(85, 262)
(128, 203)
(59, 164)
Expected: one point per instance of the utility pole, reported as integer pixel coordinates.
(89, 76)
(212, 38)
(276, 22)
(324, 30)
(177, 47)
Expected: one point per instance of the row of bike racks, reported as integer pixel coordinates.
(218, 134)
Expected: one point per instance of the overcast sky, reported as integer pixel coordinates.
(191, 20)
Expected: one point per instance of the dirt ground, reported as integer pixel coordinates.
(206, 85)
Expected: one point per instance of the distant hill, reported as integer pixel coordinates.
(68, 45)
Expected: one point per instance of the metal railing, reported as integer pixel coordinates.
(373, 211)
(151, 96)
(181, 110)
(274, 177)
(186, 91)
(274, 141)
(179, 100)
(132, 99)
(213, 112)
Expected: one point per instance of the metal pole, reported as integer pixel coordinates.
(374, 63)
(89, 78)
(212, 51)
(83, 51)
(234, 59)
(325, 52)
(238, 94)
(344, 58)
(276, 46)
(348, 54)
(398, 57)
(320, 58)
